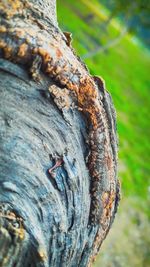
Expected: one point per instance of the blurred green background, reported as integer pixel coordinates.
(116, 47)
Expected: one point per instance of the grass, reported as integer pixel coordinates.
(126, 70)
(128, 243)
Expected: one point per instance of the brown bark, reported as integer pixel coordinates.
(53, 211)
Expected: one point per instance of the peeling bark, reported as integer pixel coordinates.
(57, 141)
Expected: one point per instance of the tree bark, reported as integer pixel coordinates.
(45, 179)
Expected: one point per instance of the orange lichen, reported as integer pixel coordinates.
(108, 201)
(58, 53)
(43, 53)
(11, 7)
(3, 29)
(19, 33)
(105, 198)
(86, 91)
(11, 216)
(2, 44)
(109, 161)
(20, 232)
(7, 51)
(87, 98)
(61, 96)
(22, 50)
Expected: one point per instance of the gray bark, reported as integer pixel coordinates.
(44, 215)
(48, 8)
(33, 134)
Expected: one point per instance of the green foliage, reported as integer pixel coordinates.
(134, 14)
(124, 6)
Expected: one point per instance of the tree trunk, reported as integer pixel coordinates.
(58, 162)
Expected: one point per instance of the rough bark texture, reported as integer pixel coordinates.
(58, 162)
